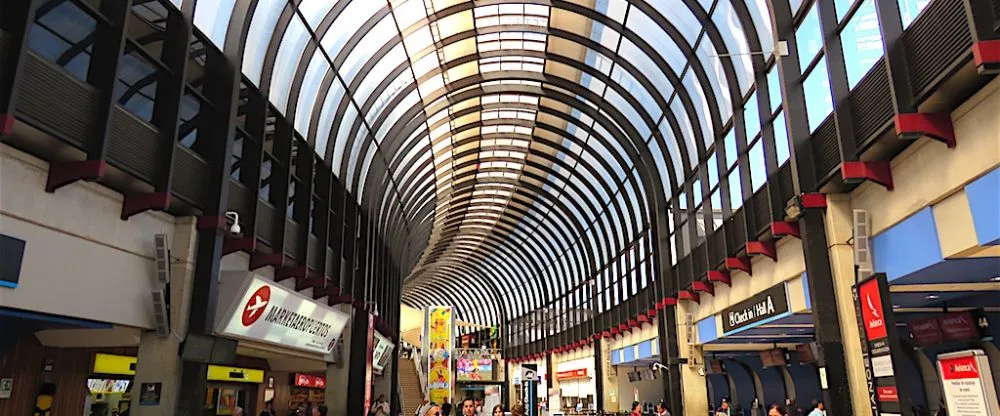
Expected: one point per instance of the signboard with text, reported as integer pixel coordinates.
(565, 375)
(881, 343)
(308, 381)
(770, 303)
(440, 322)
(270, 313)
(968, 384)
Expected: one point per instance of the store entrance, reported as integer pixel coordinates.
(222, 399)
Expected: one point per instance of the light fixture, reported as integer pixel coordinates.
(932, 297)
(995, 279)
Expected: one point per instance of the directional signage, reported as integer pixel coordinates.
(764, 305)
(269, 312)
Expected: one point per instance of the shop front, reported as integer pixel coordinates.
(110, 386)
(306, 388)
(479, 375)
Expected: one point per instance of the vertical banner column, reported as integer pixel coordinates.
(440, 324)
(881, 340)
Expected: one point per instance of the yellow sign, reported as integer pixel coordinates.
(235, 374)
(114, 364)
(439, 380)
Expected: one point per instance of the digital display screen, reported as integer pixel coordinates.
(107, 386)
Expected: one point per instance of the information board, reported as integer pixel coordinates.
(968, 384)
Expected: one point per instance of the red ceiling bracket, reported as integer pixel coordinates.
(633, 323)
(763, 248)
(138, 203)
(934, 125)
(623, 327)
(651, 314)
(669, 301)
(233, 244)
(986, 54)
(258, 260)
(642, 318)
(875, 171)
(782, 228)
(211, 222)
(6, 124)
(739, 263)
(607, 334)
(720, 276)
(688, 295)
(812, 201)
(703, 287)
(339, 300)
(297, 272)
(316, 283)
(596, 337)
(65, 173)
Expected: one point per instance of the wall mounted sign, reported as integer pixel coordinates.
(308, 381)
(6, 387)
(926, 331)
(150, 393)
(880, 346)
(270, 313)
(571, 374)
(968, 384)
(959, 326)
(764, 305)
(235, 374)
(11, 258)
(114, 364)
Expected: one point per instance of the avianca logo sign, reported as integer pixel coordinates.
(872, 311)
(960, 368)
(255, 307)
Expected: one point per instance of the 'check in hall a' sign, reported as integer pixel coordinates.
(764, 305)
(268, 312)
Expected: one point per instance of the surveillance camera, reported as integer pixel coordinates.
(233, 220)
(658, 366)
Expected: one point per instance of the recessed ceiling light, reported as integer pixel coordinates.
(932, 297)
(896, 306)
(995, 279)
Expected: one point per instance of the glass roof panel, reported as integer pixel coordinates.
(262, 28)
(289, 53)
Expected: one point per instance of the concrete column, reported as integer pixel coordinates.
(612, 397)
(159, 360)
(338, 375)
(839, 227)
(693, 387)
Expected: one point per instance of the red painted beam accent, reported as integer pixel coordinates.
(339, 300)
(138, 203)
(986, 54)
(216, 222)
(6, 124)
(303, 283)
(596, 337)
(651, 314)
(875, 171)
(739, 263)
(233, 244)
(606, 334)
(283, 273)
(615, 331)
(782, 228)
(813, 201)
(720, 276)
(632, 323)
(669, 301)
(623, 327)
(688, 295)
(65, 173)
(258, 260)
(763, 248)
(642, 318)
(934, 125)
(702, 287)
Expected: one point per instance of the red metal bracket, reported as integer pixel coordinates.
(739, 263)
(211, 223)
(688, 295)
(615, 331)
(934, 125)
(339, 300)
(875, 171)
(65, 173)
(651, 313)
(283, 273)
(633, 323)
(669, 301)
(303, 283)
(720, 276)
(623, 327)
(608, 333)
(258, 260)
(782, 228)
(812, 201)
(596, 337)
(233, 244)
(986, 54)
(702, 287)
(6, 124)
(763, 248)
(138, 203)
(642, 318)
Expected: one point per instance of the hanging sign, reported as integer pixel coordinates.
(968, 384)
(271, 313)
(764, 305)
(308, 381)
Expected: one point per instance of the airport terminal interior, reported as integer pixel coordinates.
(499, 208)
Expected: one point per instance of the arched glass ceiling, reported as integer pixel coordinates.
(515, 149)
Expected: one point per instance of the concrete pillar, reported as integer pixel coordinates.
(693, 386)
(338, 376)
(839, 227)
(158, 358)
(612, 397)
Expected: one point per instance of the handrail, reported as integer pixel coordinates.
(415, 356)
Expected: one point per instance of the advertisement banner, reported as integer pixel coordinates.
(474, 368)
(368, 363)
(268, 312)
(440, 322)
(968, 384)
(882, 344)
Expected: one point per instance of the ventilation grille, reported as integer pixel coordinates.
(265, 223)
(935, 41)
(162, 257)
(996, 15)
(292, 245)
(862, 246)
(761, 211)
(189, 177)
(826, 149)
(699, 260)
(132, 144)
(240, 200)
(160, 313)
(787, 189)
(717, 248)
(312, 254)
(871, 106)
(736, 233)
(53, 101)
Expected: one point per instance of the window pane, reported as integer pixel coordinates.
(212, 17)
(819, 98)
(265, 17)
(781, 144)
(862, 42)
(735, 192)
(713, 171)
(774, 87)
(751, 117)
(809, 38)
(758, 169)
(730, 148)
(909, 9)
(734, 37)
(842, 7)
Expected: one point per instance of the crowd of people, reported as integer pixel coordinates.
(467, 407)
(305, 409)
(815, 409)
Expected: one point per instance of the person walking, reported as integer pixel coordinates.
(661, 409)
(818, 409)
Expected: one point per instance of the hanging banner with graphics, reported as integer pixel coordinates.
(968, 384)
(881, 342)
(268, 312)
(439, 323)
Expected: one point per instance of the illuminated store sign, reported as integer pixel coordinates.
(235, 374)
(270, 313)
